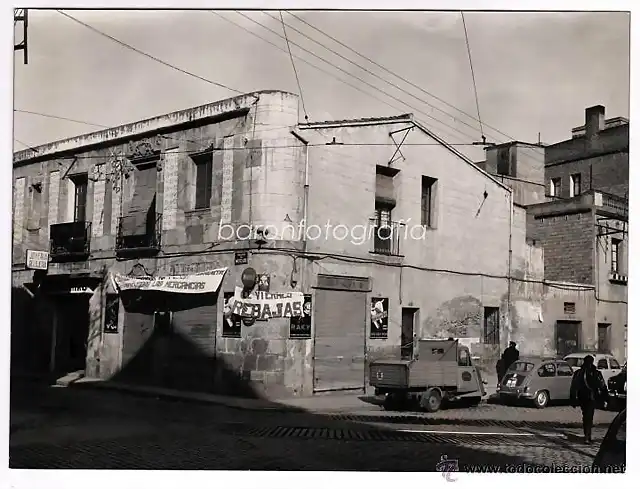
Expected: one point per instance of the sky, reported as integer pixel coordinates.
(534, 72)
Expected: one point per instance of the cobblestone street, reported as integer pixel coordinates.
(74, 428)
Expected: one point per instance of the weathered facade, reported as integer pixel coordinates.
(390, 233)
(576, 197)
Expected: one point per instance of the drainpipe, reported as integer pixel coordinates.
(305, 202)
(510, 262)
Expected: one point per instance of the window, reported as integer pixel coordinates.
(547, 370)
(80, 183)
(428, 202)
(463, 359)
(569, 307)
(564, 370)
(555, 187)
(35, 206)
(602, 364)
(615, 255)
(575, 362)
(505, 164)
(521, 367)
(491, 326)
(614, 364)
(204, 177)
(574, 189)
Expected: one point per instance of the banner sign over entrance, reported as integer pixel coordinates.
(265, 305)
(199, 283)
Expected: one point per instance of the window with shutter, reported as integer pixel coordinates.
(204, 176)
(427, 201)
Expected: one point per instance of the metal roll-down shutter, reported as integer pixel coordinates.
(340, 329)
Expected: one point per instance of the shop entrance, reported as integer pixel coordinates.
(70, 333)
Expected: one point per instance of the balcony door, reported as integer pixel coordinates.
(382, 229)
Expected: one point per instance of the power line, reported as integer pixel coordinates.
(473, 77)
(375, 74)
(158, 60)
(401, 78)
(295, 72)
(353, 76)
(25, 145)
(333, 75)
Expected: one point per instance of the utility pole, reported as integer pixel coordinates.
(21, 15)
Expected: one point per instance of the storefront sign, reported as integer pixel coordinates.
(241, 258)
(379, 318)
(37, 260)
(336, 282)
(300, 326)
(265, 305)
(199, 283)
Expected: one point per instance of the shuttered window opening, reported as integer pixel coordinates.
(204, 180)
(340, 332)
(139, 215)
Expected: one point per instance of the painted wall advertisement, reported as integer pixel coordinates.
(300, 326)
(379, 318)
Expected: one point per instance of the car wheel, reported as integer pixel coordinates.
(431, 401)
(474, 401)
(541, 400)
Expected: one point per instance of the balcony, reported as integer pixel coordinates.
(70, 241)
(386, 237)
(610, 205)
(139, 236)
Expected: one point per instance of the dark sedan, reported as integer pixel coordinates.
(612, 455)
(617, 386)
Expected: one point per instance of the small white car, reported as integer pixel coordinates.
(605, 363)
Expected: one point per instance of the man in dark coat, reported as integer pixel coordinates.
(510, 356)
(587, 390)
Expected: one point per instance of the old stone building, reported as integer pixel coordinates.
(575, 194)
(390, 234)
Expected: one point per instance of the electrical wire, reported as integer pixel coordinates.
(473, 76)
(158, 60)
(401, 78)
(306, 116)
(353, 76)
(25, 145)
(374, 74)
(333, 75)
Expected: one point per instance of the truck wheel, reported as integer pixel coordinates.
(474, 401)
(541, 400)
(391, 403)
(431, 401)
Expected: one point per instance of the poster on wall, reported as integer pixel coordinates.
(111, 314)
(300, 326)
(379, 318)
(231, 323)
(264, 283)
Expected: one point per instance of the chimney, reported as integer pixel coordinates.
(594, 120)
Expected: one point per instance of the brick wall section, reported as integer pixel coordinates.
(568, 242)
(603, 158)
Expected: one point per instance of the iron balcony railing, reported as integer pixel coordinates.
(386, 236)
(70, 240)
(136, 234)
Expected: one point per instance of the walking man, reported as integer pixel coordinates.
(587, 389)
(509, 357)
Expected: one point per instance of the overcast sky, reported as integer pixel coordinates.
(535, 72)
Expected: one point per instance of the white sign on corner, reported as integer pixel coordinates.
(37, 260)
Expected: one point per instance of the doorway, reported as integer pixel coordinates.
(407, 337)
(71, 331)
(604, 338)
(567, 337)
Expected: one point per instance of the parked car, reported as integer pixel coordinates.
(612, 454)
(617, 386)
(537, 381)
(607, 364)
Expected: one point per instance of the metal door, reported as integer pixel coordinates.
(340, 330)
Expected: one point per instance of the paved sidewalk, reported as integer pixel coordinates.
(319, 404)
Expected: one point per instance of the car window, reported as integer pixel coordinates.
(564, 370)
(521, 367)
(614, 363)
(574, 361)
(547, 370)
(602, 363)
(463, 358)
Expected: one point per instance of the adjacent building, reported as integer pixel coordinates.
(576, 197)
(390, 233)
